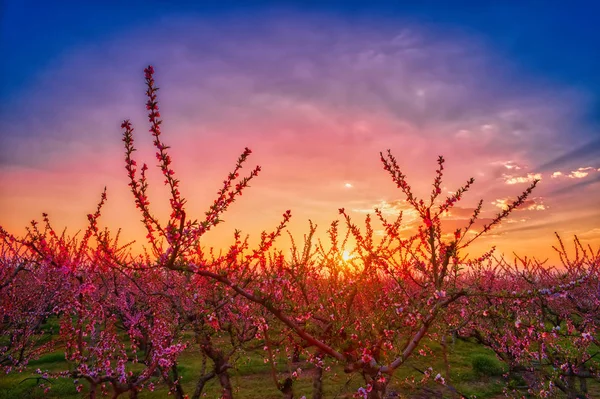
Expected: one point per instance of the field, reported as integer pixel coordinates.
(474, 373)
(252, 380)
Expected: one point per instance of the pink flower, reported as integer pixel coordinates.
(440, 379)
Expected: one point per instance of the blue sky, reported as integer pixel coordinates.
(551, 40)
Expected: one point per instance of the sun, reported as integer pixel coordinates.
(346, 256)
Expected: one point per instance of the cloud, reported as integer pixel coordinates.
(589, 150)
(511, 165)
(453, 225)
(559, 224)
(530, 177)
(392, 208)
(576, 186)
(530, 204)
(458, 212)
(580, 173)
(590, 234)
(583, 173)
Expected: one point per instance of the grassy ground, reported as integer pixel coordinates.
(252, 379)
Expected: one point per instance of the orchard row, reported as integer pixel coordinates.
(125, 319)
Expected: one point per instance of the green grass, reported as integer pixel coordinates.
(487, 366)
(50, 358)
(251, 377)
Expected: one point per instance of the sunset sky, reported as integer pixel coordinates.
(506, 93)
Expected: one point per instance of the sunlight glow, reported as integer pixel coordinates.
(346, 256)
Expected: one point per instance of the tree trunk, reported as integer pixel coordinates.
(583, 386)
(296, 354)
(378, 390)
(93, 387)
(177, 388)
(225, 382)
(220, 363)
(287, 389)
(201, 383)
(571, 387)
(444, 345)
(583, 373)
(318, 383)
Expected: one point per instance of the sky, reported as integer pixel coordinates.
(506, 92)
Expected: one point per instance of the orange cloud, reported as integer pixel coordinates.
(530, 204)
(509, 179)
